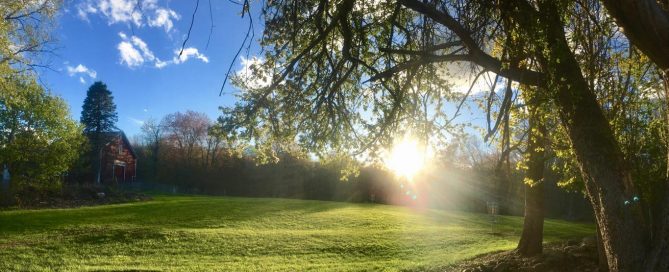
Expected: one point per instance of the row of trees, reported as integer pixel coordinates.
(191, 153)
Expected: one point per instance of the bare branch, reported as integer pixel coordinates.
(192, 20)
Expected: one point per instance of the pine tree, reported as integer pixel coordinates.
(98, 115)
(99, 111)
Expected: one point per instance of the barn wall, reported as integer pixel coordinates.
(111, 153)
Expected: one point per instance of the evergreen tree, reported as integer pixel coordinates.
(99, 111)
(98, 115)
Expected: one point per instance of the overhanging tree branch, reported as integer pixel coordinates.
(478, 56)
(419, 62)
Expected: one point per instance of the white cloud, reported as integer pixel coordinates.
(163, 18)
(81, 79)
(160, 64)
(148, 55)
(136, 121)
(84, 9)
(129, 12)
(129, 55)
(187, 53)
(81, 69)
(120, 11)
(149, 4)
(135, 52)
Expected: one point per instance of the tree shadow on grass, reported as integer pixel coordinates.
(104, 235)
(172, 212)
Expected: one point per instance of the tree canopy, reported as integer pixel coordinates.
(38, 139)
(357, 73)
(25, 33)
(98, 113)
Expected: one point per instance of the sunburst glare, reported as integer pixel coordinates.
(406, 158)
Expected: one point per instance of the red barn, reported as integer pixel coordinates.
(118, 161)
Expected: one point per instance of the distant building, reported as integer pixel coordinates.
(118, 161)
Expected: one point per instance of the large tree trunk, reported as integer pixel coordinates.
(531, 240)
(658, 258)
(646, 25)
(601, 254)
(607, 180)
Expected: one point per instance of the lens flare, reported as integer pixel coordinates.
(406, 158)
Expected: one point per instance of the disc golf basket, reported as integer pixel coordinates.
(493, 210)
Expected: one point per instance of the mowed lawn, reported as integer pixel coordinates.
(197, 233)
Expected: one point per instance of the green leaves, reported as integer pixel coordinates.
(38, 139)
(98, 113)
(319, 59)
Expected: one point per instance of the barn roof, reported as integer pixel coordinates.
(109, 135)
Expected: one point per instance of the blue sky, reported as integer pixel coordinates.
(134, 52)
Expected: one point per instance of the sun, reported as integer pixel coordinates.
(406, 158)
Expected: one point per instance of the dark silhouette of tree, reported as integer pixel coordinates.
(531, 239)
(98, 115)
(99, 111)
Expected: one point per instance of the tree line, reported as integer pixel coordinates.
(192, 154)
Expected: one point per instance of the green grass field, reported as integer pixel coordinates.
(244, 234)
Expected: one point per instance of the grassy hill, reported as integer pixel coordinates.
(240, 234)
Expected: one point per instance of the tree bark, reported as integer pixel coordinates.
(531, 239)
(646, 25)
(601, 254)
(607, 180)
(658, 258)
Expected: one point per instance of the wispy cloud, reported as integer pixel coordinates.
(129, 55)
(187, 53)
(82, 71)
(163, 18)
(135, 52)
(137, 13)
(136, 121)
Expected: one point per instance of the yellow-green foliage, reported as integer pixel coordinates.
(246, 234)
(25, 30)
(38, 139)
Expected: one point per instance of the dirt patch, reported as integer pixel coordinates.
(566, 256)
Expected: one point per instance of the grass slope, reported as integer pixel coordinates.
(239, 234)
